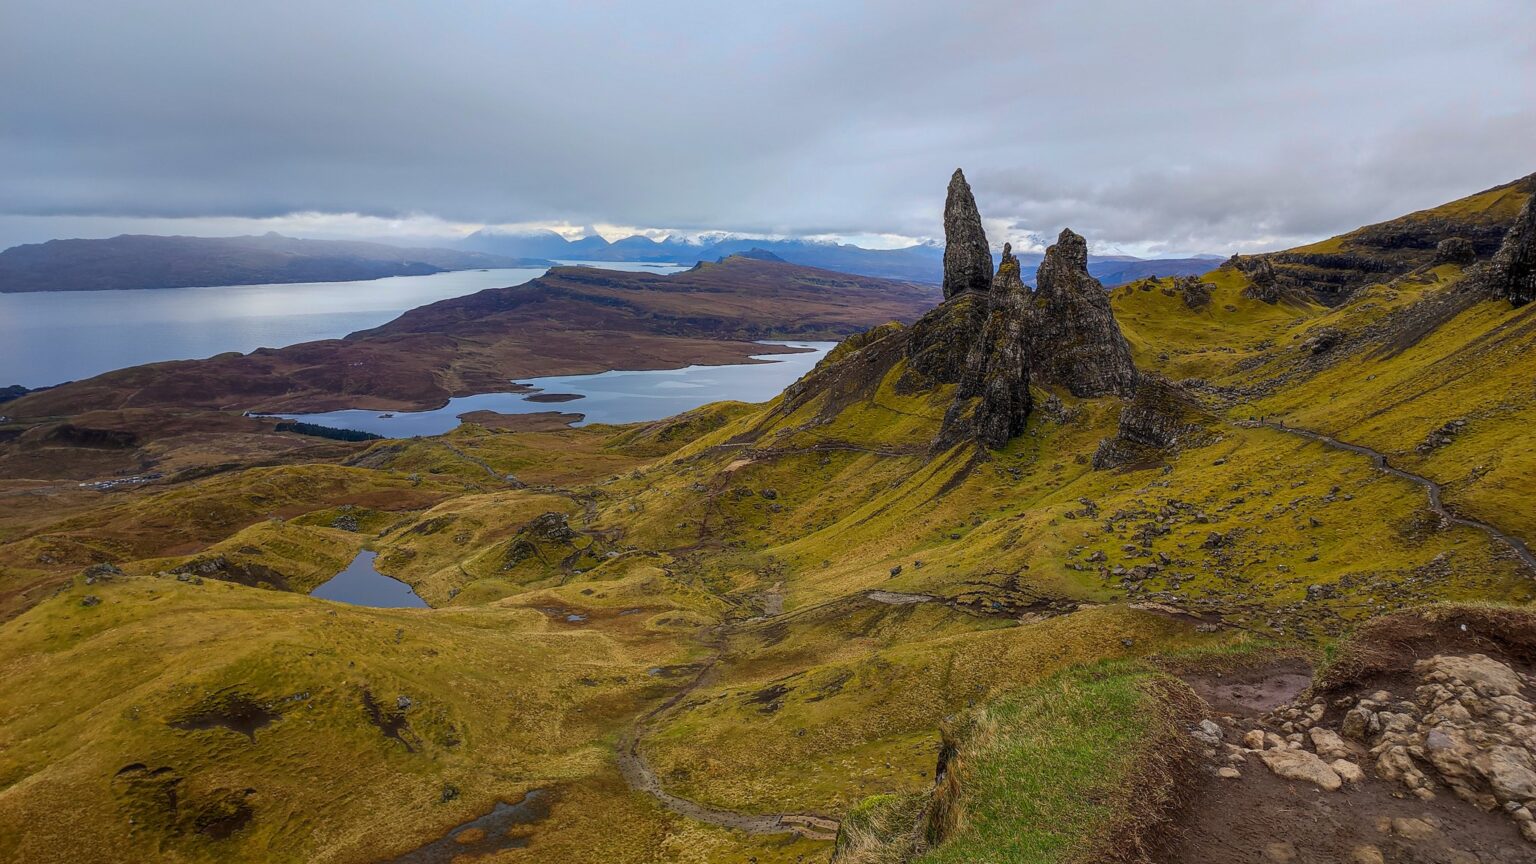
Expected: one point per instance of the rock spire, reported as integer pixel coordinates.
(1073, 338)
(967, 257)
(992, 403)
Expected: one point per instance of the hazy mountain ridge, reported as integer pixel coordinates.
(918, 263)
(144, 261)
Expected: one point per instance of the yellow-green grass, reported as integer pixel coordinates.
(1476, 367)
(1168, 337)
(501, 701)
(1049, 774)
(865, 720)
(301, 556)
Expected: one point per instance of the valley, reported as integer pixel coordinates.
(1008, 574)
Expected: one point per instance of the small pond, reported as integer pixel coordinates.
(361, 585)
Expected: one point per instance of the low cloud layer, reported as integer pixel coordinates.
(1163, 128)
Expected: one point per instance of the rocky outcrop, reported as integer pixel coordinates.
(992, 404)
(1512, 272)
(1263, 283)
(1195, 292)
(967, 257)
(1073, 338)
(938, 345)
(1160, 420)
(1455, 250)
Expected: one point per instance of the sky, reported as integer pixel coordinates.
(1151, 128)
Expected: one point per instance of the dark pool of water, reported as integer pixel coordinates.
(493, 832)
(361, 585)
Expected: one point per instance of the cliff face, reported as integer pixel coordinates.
(992, 404)
(1073, 338)
(1512, 272)
(967, 257)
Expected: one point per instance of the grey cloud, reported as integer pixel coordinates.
(1175, 126)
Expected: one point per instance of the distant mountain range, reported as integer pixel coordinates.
(146, 261)
(919, 263)
(136, 261)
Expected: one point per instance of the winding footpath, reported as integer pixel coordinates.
(1436, 502)
(642, 778)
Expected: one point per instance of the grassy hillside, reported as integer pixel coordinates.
(716, 636)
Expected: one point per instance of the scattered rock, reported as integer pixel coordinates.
(1412, 829)
(1366, 855)
(90, 600)
(104, 572)
(1208, 731)
(1303, 766)
(1348, 771)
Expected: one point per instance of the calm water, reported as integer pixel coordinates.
(607, 397)
(52, 337)
(361, 585)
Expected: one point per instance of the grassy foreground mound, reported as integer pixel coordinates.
(1085, 766)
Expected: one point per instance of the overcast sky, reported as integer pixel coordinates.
(1157, 128)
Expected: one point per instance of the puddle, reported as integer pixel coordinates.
(494, 832)
(1250, 693)
(562, 613)
(226, 710)
(362, 585)
(391, 722)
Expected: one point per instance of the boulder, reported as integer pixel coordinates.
(1479, 671)
(1511, 773)
(1303, 766)
(1455, 250)
(1328, 744)
(1348, 771)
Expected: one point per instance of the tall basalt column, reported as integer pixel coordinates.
(967, 257)
(1074, 340)
(992, 403)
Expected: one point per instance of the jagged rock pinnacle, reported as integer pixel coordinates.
(967, 257)
(1512, 272)
(1074, 339)
(993, 402)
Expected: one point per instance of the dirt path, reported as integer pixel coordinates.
(640, 777)
(482, 464)
(1436, 502)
